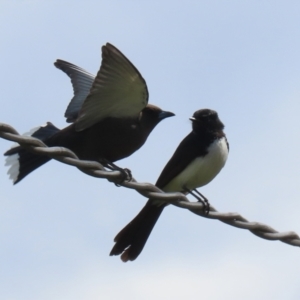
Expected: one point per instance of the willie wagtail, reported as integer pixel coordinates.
(109, 114)
(197, 160)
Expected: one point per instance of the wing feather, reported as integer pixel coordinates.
(185, 153)
(119, 91)
(82, 82)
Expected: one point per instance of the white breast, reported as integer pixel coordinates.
(202, 169)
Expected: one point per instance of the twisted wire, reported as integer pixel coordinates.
(148, 190)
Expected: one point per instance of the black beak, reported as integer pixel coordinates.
(165, 114)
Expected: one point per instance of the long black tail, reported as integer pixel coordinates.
(132, 238)
(22, 162)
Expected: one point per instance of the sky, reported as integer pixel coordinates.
(240, 58)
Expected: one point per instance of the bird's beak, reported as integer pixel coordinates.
(193, 119)
(165, 114)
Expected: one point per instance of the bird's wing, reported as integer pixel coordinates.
(185, 153)
(82, 82)
(119, 90)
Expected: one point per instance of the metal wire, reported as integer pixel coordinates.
(148, 190)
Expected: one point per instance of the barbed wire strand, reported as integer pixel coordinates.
(148, 190)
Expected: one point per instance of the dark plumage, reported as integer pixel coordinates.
(197, 160)
(110, 113)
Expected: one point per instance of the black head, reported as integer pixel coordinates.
(151, 115)
(206, 119)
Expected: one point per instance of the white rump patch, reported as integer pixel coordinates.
(12, 162)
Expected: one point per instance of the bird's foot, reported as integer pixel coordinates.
(125, 173)
(201, 198)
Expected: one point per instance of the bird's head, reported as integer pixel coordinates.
(206, 119)
(151, 115)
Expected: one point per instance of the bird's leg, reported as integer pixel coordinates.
(201, 198)
(126, 173)
(207, 205)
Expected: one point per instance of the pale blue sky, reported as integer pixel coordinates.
(241, 58)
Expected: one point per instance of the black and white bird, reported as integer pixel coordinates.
(110, 116)
(197, 160)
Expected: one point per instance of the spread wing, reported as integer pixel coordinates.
(82, 82)
(119, 90)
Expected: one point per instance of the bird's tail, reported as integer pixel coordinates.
(131, 240)
(22, 162)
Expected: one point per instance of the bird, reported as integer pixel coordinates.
(109, 114)
(197, 160)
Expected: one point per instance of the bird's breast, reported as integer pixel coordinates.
(202, 169)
